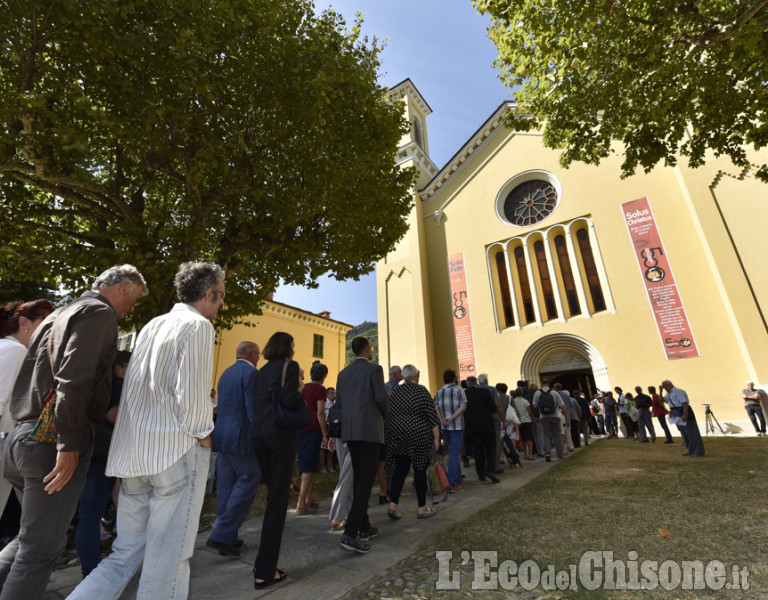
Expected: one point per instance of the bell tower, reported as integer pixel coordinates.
(402, 278)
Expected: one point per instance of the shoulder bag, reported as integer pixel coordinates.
(290, 419)
(334, 420)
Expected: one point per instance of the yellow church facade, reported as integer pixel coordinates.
(316, 337)
(519, 268)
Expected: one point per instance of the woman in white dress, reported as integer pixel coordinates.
(17, 324)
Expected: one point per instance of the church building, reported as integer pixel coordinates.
(519, 268)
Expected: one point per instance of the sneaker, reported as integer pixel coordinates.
(223, 548)
(548, 458)
(370, 534)
(354, 544)
(457, 488)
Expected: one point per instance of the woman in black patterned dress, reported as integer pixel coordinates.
(413, 430)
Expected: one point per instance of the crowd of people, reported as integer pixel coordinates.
(83, 423)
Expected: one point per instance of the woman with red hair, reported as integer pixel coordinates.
(17, 324)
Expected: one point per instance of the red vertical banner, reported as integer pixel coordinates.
(663, 295)
(462, 320)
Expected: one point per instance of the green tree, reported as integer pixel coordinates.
(252, 133)
(666, 77)
(368, 330)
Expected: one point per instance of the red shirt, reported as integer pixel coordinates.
(658, 408)
(313, 392)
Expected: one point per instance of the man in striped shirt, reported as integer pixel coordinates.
(451, 403)
(161, 445)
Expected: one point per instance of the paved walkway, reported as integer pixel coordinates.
(317, 566)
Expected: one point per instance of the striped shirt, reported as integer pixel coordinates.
(448, 400)
(166, 405)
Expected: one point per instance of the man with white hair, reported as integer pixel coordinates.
(751, 398)
(684, 418)
(71, 354)
(395, 377)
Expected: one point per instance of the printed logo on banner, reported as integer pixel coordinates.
(462, 321)
(663, 295)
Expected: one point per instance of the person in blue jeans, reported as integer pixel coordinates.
(451, 402)
(98, 486)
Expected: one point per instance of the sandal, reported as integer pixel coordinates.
(260, 585)
(430, 512)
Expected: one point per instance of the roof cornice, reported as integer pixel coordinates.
(297, 314)
(412, 151)
(406, 87)
(456, 164)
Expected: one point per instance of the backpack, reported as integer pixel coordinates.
(547, 404)
(334, 420)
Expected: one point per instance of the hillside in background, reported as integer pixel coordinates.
(367, 330)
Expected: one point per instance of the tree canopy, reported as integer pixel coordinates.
(251, 133)
(665, 77)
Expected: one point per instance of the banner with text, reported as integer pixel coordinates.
(462, 320)
(666, 304)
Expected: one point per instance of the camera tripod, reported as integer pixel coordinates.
(711, 421)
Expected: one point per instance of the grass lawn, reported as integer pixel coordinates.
(624, 497)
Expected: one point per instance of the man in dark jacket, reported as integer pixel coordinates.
(77, 345)
(361, 391)
(480, 428)
(236, 464)
(643, 404)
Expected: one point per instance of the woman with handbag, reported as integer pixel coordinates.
(413, 430)
(278, 390)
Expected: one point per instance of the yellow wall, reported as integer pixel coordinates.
(301, 325)
(459, 215)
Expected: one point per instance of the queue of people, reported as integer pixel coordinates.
(83, 421)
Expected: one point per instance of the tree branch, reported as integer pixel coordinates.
(63, 192)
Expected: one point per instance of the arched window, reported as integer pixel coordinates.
(552, 274)
(506, 297)
(525, 286)
(417, 131)
(546, 282)
(590, 270)
(567, 273)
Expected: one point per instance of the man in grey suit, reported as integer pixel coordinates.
(363, 397)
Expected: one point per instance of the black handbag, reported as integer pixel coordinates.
(334, 420)
(290, 419)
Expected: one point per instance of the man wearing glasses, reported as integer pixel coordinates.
(161, 446)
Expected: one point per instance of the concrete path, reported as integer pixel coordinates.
(317, 566)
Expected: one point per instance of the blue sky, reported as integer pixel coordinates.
(442, 46)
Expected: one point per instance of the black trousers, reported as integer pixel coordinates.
(484, 446)
(402, 466)
(576, 432)
(276, 453)
(365, 464)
